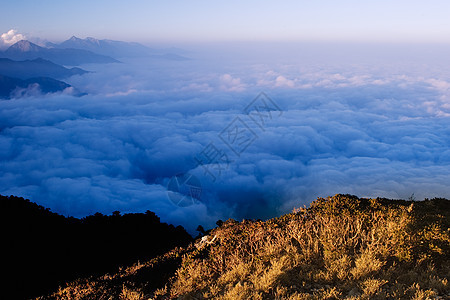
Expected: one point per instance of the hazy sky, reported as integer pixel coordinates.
(147, 20)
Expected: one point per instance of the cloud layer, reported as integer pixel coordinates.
(366, 125)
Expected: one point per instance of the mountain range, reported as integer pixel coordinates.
(111, 48)
(24, 50)
(31, 77)
(119, 49)
(26, 65)
(76, 51)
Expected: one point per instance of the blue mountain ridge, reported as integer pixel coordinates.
(44, 85)
(36, 68)
(26, 50)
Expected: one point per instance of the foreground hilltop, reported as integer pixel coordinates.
(341, 247)
(43, 250)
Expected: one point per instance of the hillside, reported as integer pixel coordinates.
(15, 88)
(36, 68)
(43, 250)
(341, 247)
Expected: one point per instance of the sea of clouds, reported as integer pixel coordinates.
(369, 120)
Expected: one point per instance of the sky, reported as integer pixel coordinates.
(186, 21)
(359, 98)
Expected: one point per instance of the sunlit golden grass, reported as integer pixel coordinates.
(341, 247)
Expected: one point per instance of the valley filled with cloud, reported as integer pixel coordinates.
(353, 118)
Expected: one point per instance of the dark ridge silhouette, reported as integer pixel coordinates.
(44, 85)
(44, 249)
(36, 68)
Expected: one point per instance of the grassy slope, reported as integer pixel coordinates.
(342, 247)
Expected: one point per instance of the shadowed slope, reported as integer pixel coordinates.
(44, 249)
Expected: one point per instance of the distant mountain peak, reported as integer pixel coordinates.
(24, 46)
(89, 43)
(41, 60)
(92, 40)
(106, 47)
(79, 41)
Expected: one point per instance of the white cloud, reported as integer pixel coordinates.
(231, 84)
(282, 81)
(11, 37)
